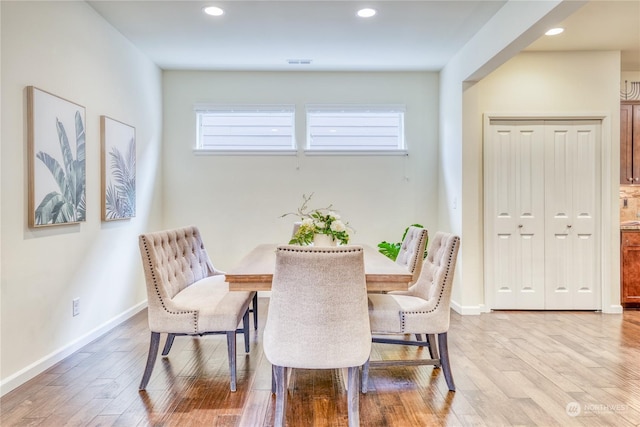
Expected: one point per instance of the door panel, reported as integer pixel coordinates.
(518, 215)
(571, 189)
(541, 208)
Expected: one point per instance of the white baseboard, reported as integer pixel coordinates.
(471, 310)
(51, 359)
(479, 309)
(613, 309)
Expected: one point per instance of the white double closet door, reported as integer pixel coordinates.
(542, 204)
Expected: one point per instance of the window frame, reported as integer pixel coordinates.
(203, 109)
(400, 109)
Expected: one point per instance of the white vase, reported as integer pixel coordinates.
(323, 240)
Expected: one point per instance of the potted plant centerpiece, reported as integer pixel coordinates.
(320, 227)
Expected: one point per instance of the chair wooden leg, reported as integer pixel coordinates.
(353, 403)
(273, 379)
(231, 349)
(168, 343)
(245, 328)
(281, 395)
(255, 311)
(365, 377)
(433, 348)
(154, 345)
(444, 358)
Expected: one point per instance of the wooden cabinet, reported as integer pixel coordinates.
(629, 142)
(630, 259)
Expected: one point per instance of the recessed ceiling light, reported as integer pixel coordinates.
(554, 31)
(366, 12)
(213, 10)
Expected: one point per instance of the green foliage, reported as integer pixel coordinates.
(120, 198)
(318, 221)
(391, 250)
(69, 203)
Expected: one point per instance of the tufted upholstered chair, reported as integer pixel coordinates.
(424, 309)
(188, 296)
(411, 256)
(411, 252)
(318, 317)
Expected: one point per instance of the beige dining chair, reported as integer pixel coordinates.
(318, 317)
(424, 309)
(411, 253)
(188, 296)
(411, 256)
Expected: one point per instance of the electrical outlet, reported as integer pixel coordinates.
(76, 306)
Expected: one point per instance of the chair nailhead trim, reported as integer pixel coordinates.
(155, 279)
(423, 235)
(328, 249)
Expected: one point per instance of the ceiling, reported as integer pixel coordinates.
(404, 35)
(600, 25)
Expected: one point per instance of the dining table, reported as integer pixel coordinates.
(254, 272)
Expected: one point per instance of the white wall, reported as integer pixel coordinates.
(237, 200)
(515, 26)
(570, 83)
(67, 49)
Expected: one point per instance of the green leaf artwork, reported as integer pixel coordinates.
(67, 203)
(119, 170)
(120, 196)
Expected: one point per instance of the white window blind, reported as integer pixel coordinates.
(245, 128)
(376, 129)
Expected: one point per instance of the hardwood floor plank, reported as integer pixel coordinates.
(81, 415)
(135, 415)
(547, 395)
(123, 390)
(255, 410)
(541, 367)
(628, 393)
(45, 401)
(482, 404)
(536, 415)
(510, 369)
(103, 421)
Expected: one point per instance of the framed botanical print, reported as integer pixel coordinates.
(56, 151)
(118, 155)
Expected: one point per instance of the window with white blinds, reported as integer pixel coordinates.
(245, 129)
(377, 129)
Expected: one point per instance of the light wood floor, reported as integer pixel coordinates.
(510, 368)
